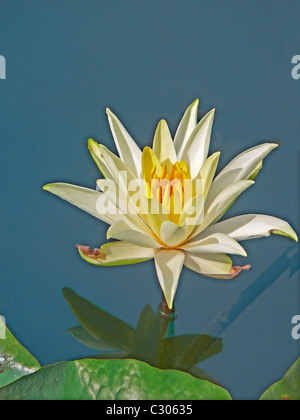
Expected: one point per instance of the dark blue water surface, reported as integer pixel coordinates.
(67, 61)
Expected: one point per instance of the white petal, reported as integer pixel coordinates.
(128, 233)
(84, 198)
(216, 243)
(121, 174)
(208, 171)
(121, 200)
(221, 203)
(169, 265)
(239, 168)
(116, 253)
(218, 266)
(171, 234)
(110, 165)
(111, 190)
(250, 226)
(128, 150)
(95, 151)
(186, 127)
(196, 149)
(209, 264)
(163, 145)
(193, 211)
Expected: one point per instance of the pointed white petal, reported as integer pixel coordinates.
(241, 167)
(128, 233)
(186, 127)
(110, 165)
(121, 200)
(116, 253)
(169, 265)
(95, 151)
(196, 149)
(208, 264)
(84, 198)
(217, 266)
(193, 211)
(171, 234)
(208, 171)
(128, 150)
(121, 174)
(250, 226)
(222, 203)
(216, 243)
(111, 190)
(163, 145)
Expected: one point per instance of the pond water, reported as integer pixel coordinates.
(66, 63)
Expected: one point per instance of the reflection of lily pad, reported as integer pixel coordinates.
(189, 350)
(288, 388)
(99, 324)
(148, 343)
(15, 361)
(81, 335)
(110, 380)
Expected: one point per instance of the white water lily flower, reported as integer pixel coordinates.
(169, 237)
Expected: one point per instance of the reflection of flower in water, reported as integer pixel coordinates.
(167, 234)
(149, 342)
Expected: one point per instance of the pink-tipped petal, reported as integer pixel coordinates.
(236, 270)
(95, 254)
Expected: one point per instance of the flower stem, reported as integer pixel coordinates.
(167, 318)
(164, 307)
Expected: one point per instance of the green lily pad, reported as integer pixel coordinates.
(110, 380)
(15, 361)
(288, 388)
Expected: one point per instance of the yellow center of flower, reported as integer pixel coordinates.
(169, 181)
(170, 184)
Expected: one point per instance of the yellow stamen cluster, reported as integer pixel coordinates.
(168, 183)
